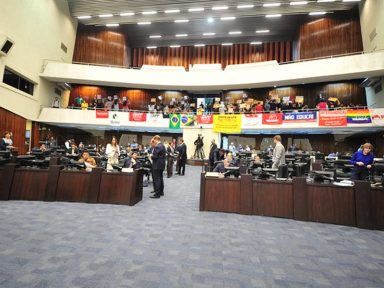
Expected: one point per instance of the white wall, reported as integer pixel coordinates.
(38, 28)
(372, 17)
(375, 100)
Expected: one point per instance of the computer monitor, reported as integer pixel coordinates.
(232, 171)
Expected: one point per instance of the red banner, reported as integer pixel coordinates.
(102, 114)
(332, 118)
(272, 118)
(137, 116)
(205, 119)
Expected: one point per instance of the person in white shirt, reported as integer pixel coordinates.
(113, 152)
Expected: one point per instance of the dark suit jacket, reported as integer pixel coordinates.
(212, 152)
(183, 151)
(158, 157)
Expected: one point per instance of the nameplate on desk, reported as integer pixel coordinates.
(212, 174)
(127, 170)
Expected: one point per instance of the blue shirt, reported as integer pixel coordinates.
(360, 157)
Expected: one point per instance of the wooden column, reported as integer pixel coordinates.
(300, 199)
(94, 185)
(364, 217)
(246, 194)
(202, 191)
(53, 179)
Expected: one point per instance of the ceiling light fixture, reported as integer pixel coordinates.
(196, 9)
(172, 11)
(127, 14)
(262, 31)
(256, 43)
(323, 1)
(181, 35)
(175, 46)
(219, 8)
(317, 13)
(151, 47)
(105, 15)
(273, 15)
(226, 44)
(112, 25)
(234, 32)
(154, 36)
(181, 21)
(149, 12)
(84, 17)
(228, 18)
(143, 23)
(298, 3)
(199, 45)
(351, 0)
(271, 4)
(245, 6)
(209, 34)
(210, 20)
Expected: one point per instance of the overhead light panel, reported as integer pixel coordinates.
(175, 46)
(144, 23)
(181, 35)
(199, 45)
(271, 4)
(209, 34)
(323, 1)
(112, 25)
(262, 31)
(84, 17)
(149, 12)
(351, 0)
(256, 43)
(151, 47)
(226, 44)
(127, 14)
(317, 13)
(234, 32)
(298, 3)
(228, 18)
(245, 6)
(273, 15)
(105, 15)
(154, 36)
(215, 8)
(199, 9)
(181, 21)
(172, 11)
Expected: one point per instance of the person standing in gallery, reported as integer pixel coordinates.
(158, 165)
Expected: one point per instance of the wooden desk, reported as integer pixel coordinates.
(29, 184)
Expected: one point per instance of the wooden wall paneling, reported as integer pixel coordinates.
(364, 207)
(378, 208)
(29, 184)
(7, 173)
(35, 134)
(16, 124)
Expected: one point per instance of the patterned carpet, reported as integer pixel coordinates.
(167, 242)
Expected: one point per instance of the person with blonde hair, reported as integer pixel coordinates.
(113, 152)
(362, 161)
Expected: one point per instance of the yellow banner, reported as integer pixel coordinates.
(227, 123)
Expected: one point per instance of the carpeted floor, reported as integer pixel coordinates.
(167, 242)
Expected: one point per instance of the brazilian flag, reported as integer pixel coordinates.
(174, 121)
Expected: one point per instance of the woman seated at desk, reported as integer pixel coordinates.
(87, 160)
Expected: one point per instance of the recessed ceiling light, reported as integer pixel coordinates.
(172, 11)
(298, 3)
(199, 9)
(262, 31)
(149, 12)
(155, 36)
(256, 43)
(112, 25)
(271, 4)
(228, 18)
(199, 45)
(209, 34)
(144, 23)
(317, 13)
(220, 8)
(210, 20)
(181, 35)
(151, 47)
(245, 6)
(273, 15)
(226, 44)
(175, 46)
(234, 32)
(84, 17)
(351, 0)
(320, 1)
(105, 15)
(181, 21)
(127, 14)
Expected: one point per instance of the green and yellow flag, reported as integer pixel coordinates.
(174, 121)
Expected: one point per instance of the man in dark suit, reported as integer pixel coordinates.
(158, 166)
(212, 155)
(183, 157)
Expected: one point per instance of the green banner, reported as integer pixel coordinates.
(174, 121)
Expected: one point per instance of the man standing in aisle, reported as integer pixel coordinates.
(183, 157)
(212, 155)
(158, 166)
(278, 156)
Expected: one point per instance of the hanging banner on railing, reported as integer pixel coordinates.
(205, 119)
(295, 117)
(187, 120)
(358, 116)
(251, 121)
(114, 119)
(227, 123)
(272, 118)
(137, 116)
(174, 121)
(102, 114)
(154, 117)
(377, 116)
(332, 118)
